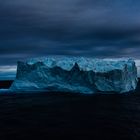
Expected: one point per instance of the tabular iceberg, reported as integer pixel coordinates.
(76, 75)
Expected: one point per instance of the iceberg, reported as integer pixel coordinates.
(76, 75)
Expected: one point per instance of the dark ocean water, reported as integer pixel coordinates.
(56, 116)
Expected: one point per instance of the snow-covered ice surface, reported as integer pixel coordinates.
(76, 75)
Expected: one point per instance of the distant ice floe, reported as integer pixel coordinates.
(8, 72)
(5, 91)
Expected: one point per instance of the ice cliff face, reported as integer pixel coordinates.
(138, 67)
(76, 74)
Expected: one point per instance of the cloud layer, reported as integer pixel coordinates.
(97, 28)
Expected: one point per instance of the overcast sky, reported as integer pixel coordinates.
(95, 28)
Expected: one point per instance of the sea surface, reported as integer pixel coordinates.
(70, 116)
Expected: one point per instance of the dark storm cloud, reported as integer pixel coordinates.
(97, 28)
